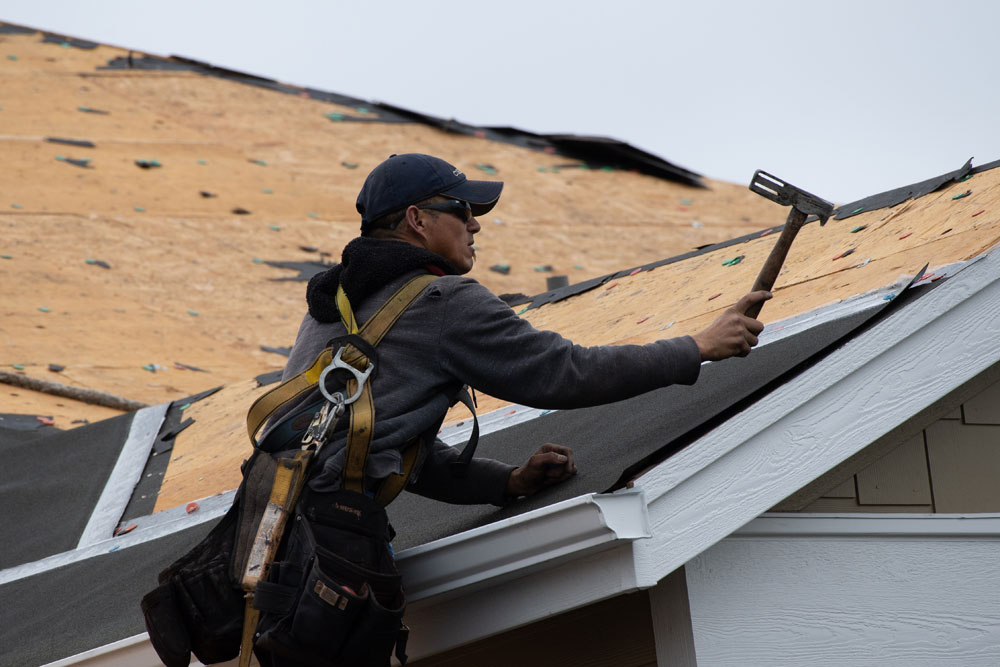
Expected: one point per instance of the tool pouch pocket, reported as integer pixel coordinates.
(197, 607)
(166, 627)
(335, 598)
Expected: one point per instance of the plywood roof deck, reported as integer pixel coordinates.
(172, 251)
(183, 286)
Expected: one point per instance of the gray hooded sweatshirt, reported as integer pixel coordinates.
(459, 333)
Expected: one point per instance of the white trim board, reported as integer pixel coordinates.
(883, 526)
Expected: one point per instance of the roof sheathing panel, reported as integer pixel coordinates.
(183, 285)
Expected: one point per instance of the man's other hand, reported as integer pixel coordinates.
(550, 465)
(733, 334)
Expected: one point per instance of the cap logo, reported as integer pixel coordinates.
(456, 172)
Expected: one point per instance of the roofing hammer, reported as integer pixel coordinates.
(803, 204)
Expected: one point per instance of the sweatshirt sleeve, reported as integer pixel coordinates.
(485, 480)
(484, 344)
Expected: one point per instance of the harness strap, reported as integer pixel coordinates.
(460, 466)
(373, 331)
(394, 484)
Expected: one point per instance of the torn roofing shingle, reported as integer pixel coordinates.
(613, 442)
(899, 195)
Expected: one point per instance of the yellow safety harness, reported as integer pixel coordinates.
(290, 475)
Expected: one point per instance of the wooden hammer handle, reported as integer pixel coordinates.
(769, 273)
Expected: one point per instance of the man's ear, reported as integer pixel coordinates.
(414, 221)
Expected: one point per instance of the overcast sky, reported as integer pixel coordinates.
(844, 98)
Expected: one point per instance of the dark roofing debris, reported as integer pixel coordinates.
(265, 379)
(83, 143)
(10, 29)
(19, 422)
(283, 351)
(68, 41)
(897, 196)
(306, 269)
(595, 152)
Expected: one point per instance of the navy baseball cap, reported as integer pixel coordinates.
(406, 179)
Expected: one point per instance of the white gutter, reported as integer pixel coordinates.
(524, 543)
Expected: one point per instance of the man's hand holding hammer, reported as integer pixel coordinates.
(733, 333)
(736, 330)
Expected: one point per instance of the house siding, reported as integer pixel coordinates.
(851, 601)
(951, 466)
(613, 633)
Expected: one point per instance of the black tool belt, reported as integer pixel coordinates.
(198, 606)
(334, 597)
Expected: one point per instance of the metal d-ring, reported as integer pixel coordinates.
(360, 376)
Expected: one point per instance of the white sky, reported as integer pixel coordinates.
(844, 98)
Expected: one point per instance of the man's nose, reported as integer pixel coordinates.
(474, 227)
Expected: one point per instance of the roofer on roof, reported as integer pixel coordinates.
(418, 217)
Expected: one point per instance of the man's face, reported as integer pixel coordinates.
(449, 231)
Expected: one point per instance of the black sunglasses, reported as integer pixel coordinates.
(456, 207)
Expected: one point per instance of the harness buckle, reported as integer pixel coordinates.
(360, 376)
(324, 421)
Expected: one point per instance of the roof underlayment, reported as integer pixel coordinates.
(182, 307)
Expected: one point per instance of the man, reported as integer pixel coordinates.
(418, 215)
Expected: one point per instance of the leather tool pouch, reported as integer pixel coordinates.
(334, 598)
(197, 606)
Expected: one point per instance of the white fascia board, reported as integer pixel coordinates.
(807, 426)
(883, 526)
(522, 544)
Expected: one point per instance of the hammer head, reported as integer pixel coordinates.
(787, 194)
